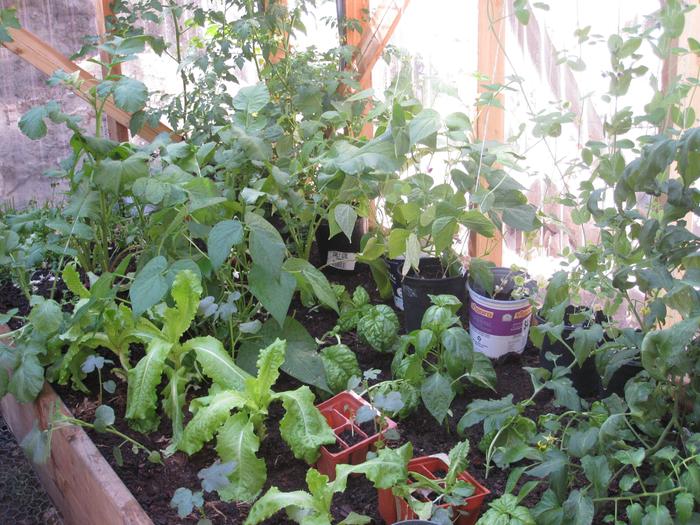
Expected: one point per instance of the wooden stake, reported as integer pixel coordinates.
(103, 10)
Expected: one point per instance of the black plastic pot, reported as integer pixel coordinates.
(585, 378)
(415, 290)
(619, 379)
(394, 267)
(338, 252)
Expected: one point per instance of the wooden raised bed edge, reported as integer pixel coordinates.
(78, 479)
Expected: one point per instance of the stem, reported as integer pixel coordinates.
(642, 495)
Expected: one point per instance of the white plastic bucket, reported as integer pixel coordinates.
(498, 327)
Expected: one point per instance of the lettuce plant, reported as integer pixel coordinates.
(236, 415)
(386, 469)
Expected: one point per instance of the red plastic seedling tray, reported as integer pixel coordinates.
(340, 411)
(392, 508)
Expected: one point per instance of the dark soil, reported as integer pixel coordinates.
(351, 438)
(153, 485)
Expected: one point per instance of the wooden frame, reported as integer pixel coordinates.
(80, 482)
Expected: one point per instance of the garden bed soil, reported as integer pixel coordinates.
(153, 485)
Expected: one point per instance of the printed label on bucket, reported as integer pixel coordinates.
(398, 299)
(497, 345)
(341, 260)
(496, 331)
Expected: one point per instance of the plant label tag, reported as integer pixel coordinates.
(341, 260)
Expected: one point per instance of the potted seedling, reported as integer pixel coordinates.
(357, 424)
(500, 308)
(420, 255)
(438, 488)
(568, 336)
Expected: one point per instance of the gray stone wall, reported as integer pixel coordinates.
(23, 161)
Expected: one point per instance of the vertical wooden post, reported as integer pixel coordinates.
(359, 10)
(279, 55)
(490, 121)
(103, 9)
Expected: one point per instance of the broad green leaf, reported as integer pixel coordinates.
(634, 457)
(387, 469)
(578, 508)
(216, 363)
(274, 291)
(340, 364)
(581, 442)
(506, 511)
(266, 246)
(555, 461)
(423, 126)
(598, 472)
(302, 360)
(37, 445)
(345, 216)
(377, 154)
(222, 237)
(46, 316)
(437, 395)
(303, 427)
(237, 442)
(149, 286)
(143, 380)
(112, 176)
(251, 99)
(208, 419)
(307, 274)
(585, 341)
(523, 217)
(130, 94)
(476, 221)
(274, 501)
(32, 123)
(493, 412)
(27, 377)
(397, 242)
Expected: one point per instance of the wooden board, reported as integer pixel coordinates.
(77, 478)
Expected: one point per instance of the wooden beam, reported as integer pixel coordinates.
(490, 120)
(375, 38)
(103, 10)
(48, 60)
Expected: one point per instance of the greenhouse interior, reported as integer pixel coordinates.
(349, 262)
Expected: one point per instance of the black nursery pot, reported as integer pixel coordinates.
(585, 379)
(415, 290)
(337, 252)
(619, 379)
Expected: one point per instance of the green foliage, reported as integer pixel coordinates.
(378, 327)
(438, 356)
(385, 470)
(236, 416)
